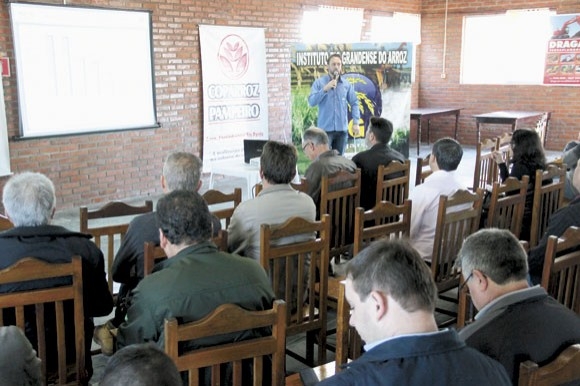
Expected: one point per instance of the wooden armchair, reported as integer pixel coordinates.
(561, 273)
(485, 171)
(565, 369)
(423, 170)
(5, 223)
(542, 127)
(548, 198)
(226, 319)
(508, 200)
(393, 182)
(348, 341)
(221, 199)
(299, 274)
(339, 197)
(108, 237)
(49, 310)
(504, 146)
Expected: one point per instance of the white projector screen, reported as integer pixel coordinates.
(82, 70)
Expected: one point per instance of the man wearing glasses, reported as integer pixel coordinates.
(515, 322)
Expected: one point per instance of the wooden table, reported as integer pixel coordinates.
(432, 112)
(321, 372)
(504, 118)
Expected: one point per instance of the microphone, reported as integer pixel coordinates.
(335, 73)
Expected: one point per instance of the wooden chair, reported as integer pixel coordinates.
(508, 200)
(504, 145)
(542, 127)
(105, 236)
(339, 197)
(231, 201)
(423, 170)
(226, 319)
(485, 171)
(548, 198)
(348, 341)
(5, 223)
(301, 187)
(299, 274)
(561, 273)
(393, 182)
(48, 303)
(458, 217)
(563, 370)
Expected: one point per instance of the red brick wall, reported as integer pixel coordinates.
(477, 99)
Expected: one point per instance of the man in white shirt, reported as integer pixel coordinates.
(444, 160)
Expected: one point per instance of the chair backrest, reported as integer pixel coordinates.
(423, 170)
(348, 341)
(548, 198)
(108, 237)
(384, 220)
(457, 218)
(508, 200)
(542, 127)
(393, 182)
(485, 172)
(562, 370)
(301, 187)
(230, 318)
(561, 273)
(299, 275)
(339, 197)
(5, 223)
(46, 301)
(504, 146)
(221, 199)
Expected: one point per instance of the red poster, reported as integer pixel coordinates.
(563, 54)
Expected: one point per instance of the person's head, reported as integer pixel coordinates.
(29, 199)
(140, 364)
(181, 170)
(527, 148)
(278, 162)
(183, 218)
(379, 131)
(492, 262)
(334, 63)
(446, 154)
(314, 142)
(576, 176)
(387, 285)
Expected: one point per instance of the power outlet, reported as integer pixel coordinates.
(443, 75)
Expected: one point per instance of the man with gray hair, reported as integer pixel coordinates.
(29, 200)
(515, 322)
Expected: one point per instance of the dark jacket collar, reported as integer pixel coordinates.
(41, 231)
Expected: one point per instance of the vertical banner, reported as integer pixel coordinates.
(381, 75)
(4, 150)
(563, 56)
(235, 93)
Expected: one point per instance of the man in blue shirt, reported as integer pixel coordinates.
(332, 95)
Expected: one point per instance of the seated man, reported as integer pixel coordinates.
(181, 170)
(195, 279)
(29, 201)
(19, 364)
(515, 322)
(570, 157)
(392, 297)
(444, 160)
(325, 161)
(379, 153)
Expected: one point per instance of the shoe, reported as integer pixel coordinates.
(104, 336)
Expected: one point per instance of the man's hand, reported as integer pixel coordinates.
(331, 85)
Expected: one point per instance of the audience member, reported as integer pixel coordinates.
(29, 201)
(195, 279)
(392, 297)
(515, 322)
(570, 157)
(377, 140)
(444, 160)
(19, 365)
(558, 222)
(181, 170)
(528, 156)
(141, 365)
(333, 95)
(325, 161)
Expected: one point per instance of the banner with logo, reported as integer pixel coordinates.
(381, 75)
(563, 55)
(235, 93)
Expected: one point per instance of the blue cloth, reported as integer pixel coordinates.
(431, 359)
(333, 105)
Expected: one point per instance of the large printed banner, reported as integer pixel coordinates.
(381, 75)
(235, 93)
(563, 56)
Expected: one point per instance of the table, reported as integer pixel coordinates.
(236, 169)
(432, 112)
(321, 372)
(509, 117)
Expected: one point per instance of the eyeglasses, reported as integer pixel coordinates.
(306, 145)
(464, 284)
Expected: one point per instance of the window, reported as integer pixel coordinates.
(332, 25)
(401, 27)
(505, 49)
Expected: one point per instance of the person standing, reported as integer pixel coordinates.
(333, 95)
